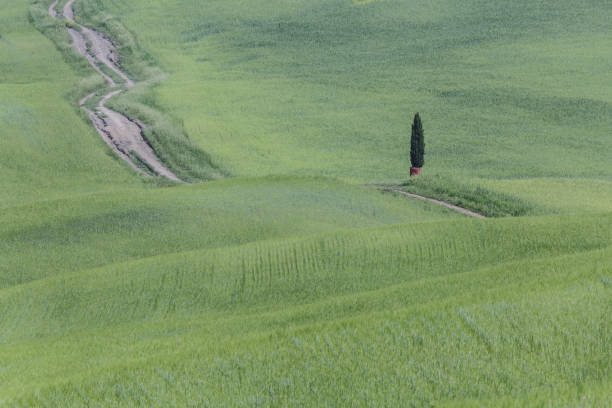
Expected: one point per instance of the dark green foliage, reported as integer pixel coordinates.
(417, 143)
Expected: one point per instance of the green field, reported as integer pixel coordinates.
(506, 89)
(41, 158)
(291, 280)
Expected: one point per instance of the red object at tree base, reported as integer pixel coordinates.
(415, 171)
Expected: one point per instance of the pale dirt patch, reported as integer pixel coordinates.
(68, 11)
(52, 11)
(86, 98)
(106, 53)
(127, 136)
(80, 46)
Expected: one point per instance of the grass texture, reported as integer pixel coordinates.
(293, 284)
(471, 196)
(40, 156)
(408, 315)
(329, 87)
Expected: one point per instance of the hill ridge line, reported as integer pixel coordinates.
(446, 204)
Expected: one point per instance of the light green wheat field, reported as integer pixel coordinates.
(279, 276)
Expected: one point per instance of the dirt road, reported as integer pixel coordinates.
(52, 11)
(122, 134)
(453, 207)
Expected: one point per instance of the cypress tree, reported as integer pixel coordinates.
(417, 143)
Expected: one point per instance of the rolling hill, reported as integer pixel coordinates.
(279, 276)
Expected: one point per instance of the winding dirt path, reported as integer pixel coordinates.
(448, 205)
(122, 134)
(52, 11)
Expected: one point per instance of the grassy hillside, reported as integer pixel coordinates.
(561, 195)
(406, 315)
(292, 283)
(40, 240)
(328, 87)
(46, 150)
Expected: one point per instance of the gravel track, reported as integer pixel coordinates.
(122, 134)
(52, 11)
